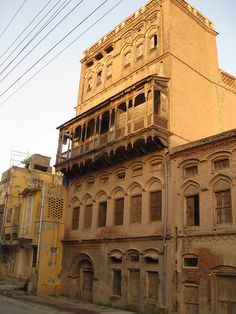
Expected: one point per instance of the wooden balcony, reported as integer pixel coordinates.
(134, 138)
(131, 123)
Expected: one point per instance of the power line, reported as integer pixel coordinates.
(5, 29)
(57, 55)
(25, 29)
(58, 11)
(61, 40)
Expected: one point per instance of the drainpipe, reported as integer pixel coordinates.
(164, 243)
(39, 241)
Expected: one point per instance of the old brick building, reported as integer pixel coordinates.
(148, 86)
(203, 210)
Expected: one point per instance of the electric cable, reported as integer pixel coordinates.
(5, 29)
(25, 29)
(53, 47)
(57, 55)
(32, 39)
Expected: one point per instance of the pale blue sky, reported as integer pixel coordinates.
(29, 119)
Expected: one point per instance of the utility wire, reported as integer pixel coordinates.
(61, 40)
(58, 11)
(5, 29)
(57, 55)
(25, 29)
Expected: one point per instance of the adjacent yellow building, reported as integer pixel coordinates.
(32, 228)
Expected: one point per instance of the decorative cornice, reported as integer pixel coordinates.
(109, 37)
(195, 15)
(216, 141)
(95, 241)
(143, 12)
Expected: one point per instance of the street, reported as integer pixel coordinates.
(9, 305)
(18, 302)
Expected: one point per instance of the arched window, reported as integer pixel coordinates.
(99, 78)
(153, 42)
(75, 218)
(223, 203)
(139, 51)
(109, 71)
(192, 206)
(89, 83)
(119, 203)
(136, 205)
(155, 200)
(127, 59)
(88, 210)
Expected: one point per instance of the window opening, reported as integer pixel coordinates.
(77, 134)
(9, 215)
(99, 78)
(134, 258)
(157, 101)
(119, 211)
(139, 51)
(223, 207)
(127, 59)
(122, 107)
(105, 123)
(225, 293)
(191, 262)
(90, 128)
(89, 84)
(191, 299)
(97, 125)
(113, 116)
(109, 49)
(99, 56)
(130, 103)
(121, 176)
(75, 218)
(140, 99)
(116, 285)
(153, 281)
(221, 164)
(153, 42)
(191, 170)
(88, 216)
(192, 210)
(136, 209)
(83, 132)
(109, 70)
(102, 214)
(155, 205)
(90, 63)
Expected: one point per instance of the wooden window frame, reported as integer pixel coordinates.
(88, 216)
(102, 214)
(75, 218)
(195, 209)
(157, 208)
(221, 208)
(118, 221)
(116, 291)
(138, 220)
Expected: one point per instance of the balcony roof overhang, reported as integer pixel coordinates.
(140, 143)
